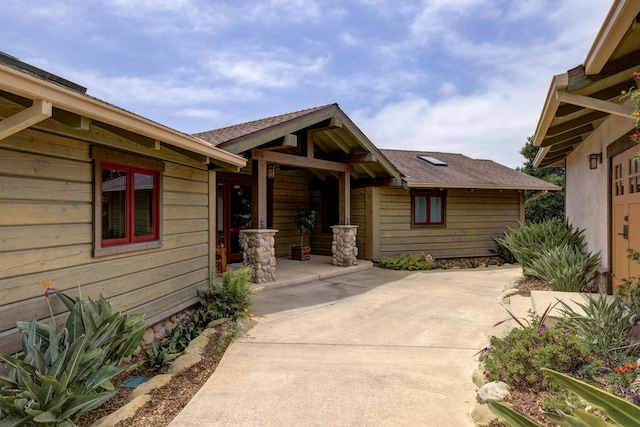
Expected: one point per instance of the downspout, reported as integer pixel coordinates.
(39, 111)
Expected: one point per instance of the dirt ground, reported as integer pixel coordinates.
(167, 401)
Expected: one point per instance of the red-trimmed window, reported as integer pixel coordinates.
(129, 204)
(427, 208)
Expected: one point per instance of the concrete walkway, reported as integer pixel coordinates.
(370, 348)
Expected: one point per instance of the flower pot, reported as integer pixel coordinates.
(301, 253)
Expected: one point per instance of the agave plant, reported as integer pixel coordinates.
(620, 411)
(64, 374)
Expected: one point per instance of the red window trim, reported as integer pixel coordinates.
(112, 157)
(129, 211)
(428, 195)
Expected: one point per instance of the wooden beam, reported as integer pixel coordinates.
(567, 135)
(367, 169)
(260, 176)
(359, 158)
(39, 111)
(72, 120)
(299, 161)
(136, 137)
(341, 145)
(576, 123)
(595, 104)
(378, 182)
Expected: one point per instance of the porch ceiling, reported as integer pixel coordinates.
(581, 99)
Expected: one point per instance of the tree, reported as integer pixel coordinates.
(549, 206)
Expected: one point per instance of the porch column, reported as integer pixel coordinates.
(344, 194)
(259, 251)
(344, 248)
(260, 179)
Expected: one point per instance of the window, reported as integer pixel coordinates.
(427, 208)
(127, 202)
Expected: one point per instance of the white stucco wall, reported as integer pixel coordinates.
(587, 190)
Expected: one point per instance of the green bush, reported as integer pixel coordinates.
(529, 241)
(232, 297)
(504, 252)
(606, 325)
(517, 358)
(565, 268)
(407, 261)
(65, 374)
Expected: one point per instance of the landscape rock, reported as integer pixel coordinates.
(123, 413)
(184, 362)
(145, 388)
(197, 345)
(482, 415)
(494, 391)
(479, 377)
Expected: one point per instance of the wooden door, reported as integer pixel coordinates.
(626, 214)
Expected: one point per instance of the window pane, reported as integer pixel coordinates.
(114, 204)
(143, 204)
(420, 207)
(435, 214)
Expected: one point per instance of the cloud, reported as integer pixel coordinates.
(276, 69)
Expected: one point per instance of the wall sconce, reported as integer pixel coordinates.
(594, 159)
(271, 171)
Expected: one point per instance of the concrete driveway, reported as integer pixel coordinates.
(371, 348)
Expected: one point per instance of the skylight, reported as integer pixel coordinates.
(432, 160)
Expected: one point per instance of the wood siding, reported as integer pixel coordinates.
(46, 213)
(473, 219)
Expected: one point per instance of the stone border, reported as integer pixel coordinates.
(142, 394)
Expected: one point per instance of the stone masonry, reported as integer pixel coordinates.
(259, 251)
(343, 246)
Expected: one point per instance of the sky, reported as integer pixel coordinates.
(460, 76)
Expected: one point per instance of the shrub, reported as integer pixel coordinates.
(517, 358)
(504, 252)
(605, 325)
(230, 298)
(529, 241)
(415, 261)
(565, 268)
(65, 374)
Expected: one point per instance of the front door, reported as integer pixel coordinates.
(234, 214)
(626, 214)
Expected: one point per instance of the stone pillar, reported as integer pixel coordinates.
(259, 251)
(343, 247)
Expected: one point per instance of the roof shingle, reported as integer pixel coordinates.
(460, 172)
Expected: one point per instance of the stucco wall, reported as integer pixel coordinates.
(587, 194)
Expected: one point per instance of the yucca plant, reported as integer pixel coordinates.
(64, 374)
(605, 324)
(565, 268)
(529, 241)
(620, 411)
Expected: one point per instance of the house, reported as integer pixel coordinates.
(449, 204)
(314, 158)
(585, 126)
(401, 201)
(98, 198)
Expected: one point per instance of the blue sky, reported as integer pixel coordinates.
(464, 76)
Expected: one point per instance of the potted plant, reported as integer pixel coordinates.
(305, 221)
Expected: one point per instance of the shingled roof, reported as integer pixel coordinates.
(460, 172)
(227, 135)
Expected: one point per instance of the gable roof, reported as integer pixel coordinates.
(336, 138)
(460, 172)
(581, 99)
(40, 95)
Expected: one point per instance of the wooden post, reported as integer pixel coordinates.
(262, 219)
(344, 193)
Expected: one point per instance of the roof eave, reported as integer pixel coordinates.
(19, 83)
(424, 185)
(612, 31)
